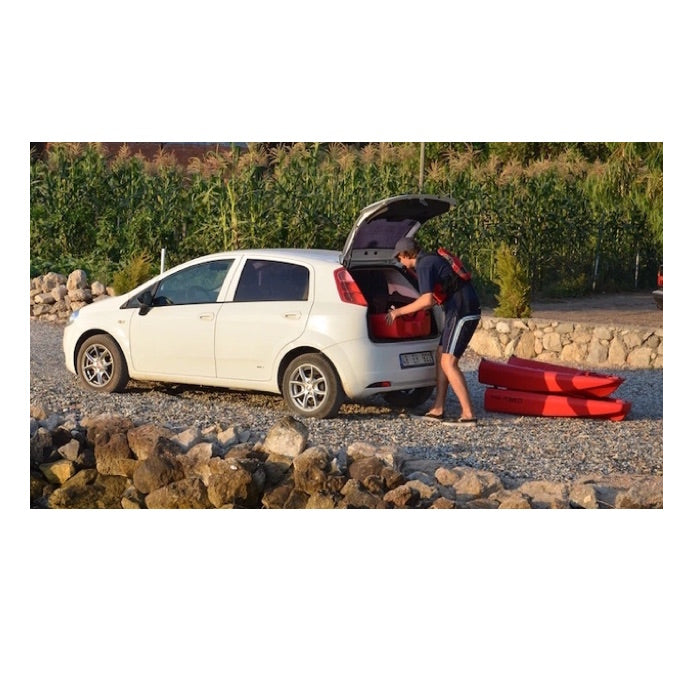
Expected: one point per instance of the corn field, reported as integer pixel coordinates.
(577, 224)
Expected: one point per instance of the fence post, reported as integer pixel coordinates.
(422, 168)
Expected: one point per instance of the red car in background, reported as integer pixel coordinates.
(658, 294)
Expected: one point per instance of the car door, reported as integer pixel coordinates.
(268, 311)
(175, 338)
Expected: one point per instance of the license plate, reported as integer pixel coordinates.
(416, 359)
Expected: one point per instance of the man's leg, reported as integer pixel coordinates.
(455, 377)
(438, 408)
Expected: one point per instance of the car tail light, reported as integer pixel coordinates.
(348, 291)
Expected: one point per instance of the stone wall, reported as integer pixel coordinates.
(576, 344)
(53, 297)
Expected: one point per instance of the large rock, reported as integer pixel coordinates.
(546, 494)
(89, 489)
(160, 468)
(355, 496)
(618, 491)
(58, 472)
(77, 280)
(474, 483)
(311, 469)
(365, 467)
(287, 437)
(40, 446)
(185, 493)
(143, 438)
(236, 487)
(402, 496)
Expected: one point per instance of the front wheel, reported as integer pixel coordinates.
(408, 398)
(311, 387)
(101, 365)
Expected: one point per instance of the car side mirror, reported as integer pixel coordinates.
(145, 302)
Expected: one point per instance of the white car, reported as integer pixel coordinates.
(307, 324)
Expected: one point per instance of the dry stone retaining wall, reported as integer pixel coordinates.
(577, 344)
(53, 297)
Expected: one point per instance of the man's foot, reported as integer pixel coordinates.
(431, 416)
(471, 422)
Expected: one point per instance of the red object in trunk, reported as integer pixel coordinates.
(415, 325)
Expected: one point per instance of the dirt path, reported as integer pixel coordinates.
(637, 309)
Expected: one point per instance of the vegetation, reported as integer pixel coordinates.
(582, 216)
(137, 269)
(514, 289)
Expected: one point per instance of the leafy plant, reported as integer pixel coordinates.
(514, 289)
(139, 268)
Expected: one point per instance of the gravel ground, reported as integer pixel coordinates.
(516, 448)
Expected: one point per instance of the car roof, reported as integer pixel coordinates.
(308, 254)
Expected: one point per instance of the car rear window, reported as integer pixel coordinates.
(270, 280)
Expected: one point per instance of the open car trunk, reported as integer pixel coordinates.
(369, 256)
(386, 287)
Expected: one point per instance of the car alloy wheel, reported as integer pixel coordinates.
(311, 387)
(101, 365)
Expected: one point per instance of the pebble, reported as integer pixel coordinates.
(515, 448)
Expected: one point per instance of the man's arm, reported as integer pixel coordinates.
(424, 301)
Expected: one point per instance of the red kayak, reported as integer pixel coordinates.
(536, 364)
(529, 403)
(531, 375)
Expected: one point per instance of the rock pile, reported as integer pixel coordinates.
(53, 297)
(108, 461)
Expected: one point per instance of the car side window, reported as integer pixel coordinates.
(270, 280)
(199, 284)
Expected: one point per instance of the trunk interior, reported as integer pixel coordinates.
(384, 287)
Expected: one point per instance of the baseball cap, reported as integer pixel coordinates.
(404, 243)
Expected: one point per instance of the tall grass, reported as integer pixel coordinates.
(561, 211)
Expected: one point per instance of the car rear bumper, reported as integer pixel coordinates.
(366, 368)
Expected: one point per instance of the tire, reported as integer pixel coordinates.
(101, 365)
(311, 387)
(409, 398)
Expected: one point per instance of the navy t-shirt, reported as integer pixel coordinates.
(432, 269)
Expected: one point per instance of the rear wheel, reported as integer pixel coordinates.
(101, 365)
(311, 387)
(409, 398)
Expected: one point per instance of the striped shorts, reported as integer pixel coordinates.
(457, 333)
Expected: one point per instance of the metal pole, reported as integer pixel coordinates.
(422, 168)
(162, 260)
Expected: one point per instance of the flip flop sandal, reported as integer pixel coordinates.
(462, 421)
(431, 416)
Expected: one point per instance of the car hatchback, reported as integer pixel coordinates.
(307, 324)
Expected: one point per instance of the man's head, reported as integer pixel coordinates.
(406, 248)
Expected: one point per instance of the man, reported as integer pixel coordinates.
(438, 283)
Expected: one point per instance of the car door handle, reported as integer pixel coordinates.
(293, 315)
(206, 317)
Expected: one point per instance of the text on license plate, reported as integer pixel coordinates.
(416, 359)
